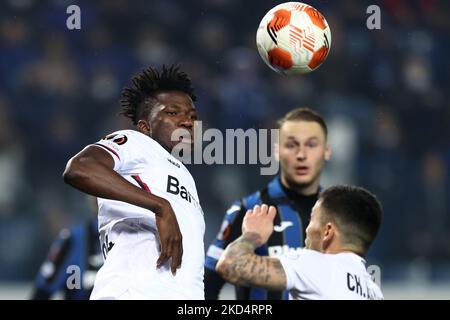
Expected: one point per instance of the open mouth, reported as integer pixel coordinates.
(301, 170)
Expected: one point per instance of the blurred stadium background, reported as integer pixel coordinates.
(385, 94)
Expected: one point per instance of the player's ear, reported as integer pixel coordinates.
(144, 127)
(328, 235)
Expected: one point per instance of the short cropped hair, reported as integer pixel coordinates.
(357, 213)
(304, 114)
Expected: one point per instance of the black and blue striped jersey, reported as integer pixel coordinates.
(75, 256)
(293, 214)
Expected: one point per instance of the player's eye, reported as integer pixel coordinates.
(171, 113)
(290, 145)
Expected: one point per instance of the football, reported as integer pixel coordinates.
(293, 38)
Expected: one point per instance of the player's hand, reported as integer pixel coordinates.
(259, 221)
(170, 238)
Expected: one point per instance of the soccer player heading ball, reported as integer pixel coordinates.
(149, 212)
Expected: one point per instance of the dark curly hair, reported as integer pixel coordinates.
(137, 98)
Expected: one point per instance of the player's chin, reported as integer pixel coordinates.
(303, 180)
(306, 179)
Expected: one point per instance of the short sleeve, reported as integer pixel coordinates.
(289, 261)
(123, 148)
(305, 270)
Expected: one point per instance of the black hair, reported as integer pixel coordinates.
(140, 94)
(357, 213)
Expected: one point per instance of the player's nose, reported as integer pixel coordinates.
(301, 154)
(187, 123)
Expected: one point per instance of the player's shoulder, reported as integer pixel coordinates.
(256, 197)
(323, 263)
(328, 259)
(121, 137)
(307, 256)
(240, 206)
(132, 138)
(251, 200)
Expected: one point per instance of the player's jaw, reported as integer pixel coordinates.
(174, 134)
(314, 230)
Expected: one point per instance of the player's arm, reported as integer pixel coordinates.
(240, 265)
(92, 171)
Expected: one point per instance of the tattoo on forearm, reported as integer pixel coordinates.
(245, 268)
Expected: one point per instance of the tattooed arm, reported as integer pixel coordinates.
(240, 265)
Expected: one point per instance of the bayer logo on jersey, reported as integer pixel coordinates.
(174, 187)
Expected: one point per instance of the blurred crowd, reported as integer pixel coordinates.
(384, 93)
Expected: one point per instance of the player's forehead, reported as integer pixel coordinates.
(175, 99)
(301, 130)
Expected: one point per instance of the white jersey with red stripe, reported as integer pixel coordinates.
(128, 233)
(314, 275)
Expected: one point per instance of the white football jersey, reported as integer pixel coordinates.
(314, 275)
(128, 233)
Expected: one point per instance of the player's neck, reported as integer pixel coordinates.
(306, 190)
(335, 249)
